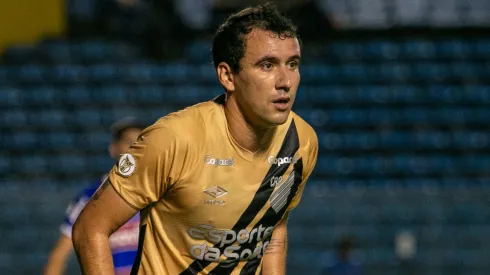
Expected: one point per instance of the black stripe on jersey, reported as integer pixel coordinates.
(289, 147)
(272, 218)
(137, 260)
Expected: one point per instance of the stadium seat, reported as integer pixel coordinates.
(4, 165)
(76, 95)
(67, 74)
(137, 73)
(12, 118)
(10, 96)
(58, 141)
(103, 73)
(171, 72)
(101, 163)
(30, 74)
(56, 52)
(318, 73)
(482, 48)
(40, 96)
(345, 50)
(204, 73)
(455, 49)
(380, 50)
(47, 118)
(87, 117)
(67, 164)
(96, 140)
(418, 49)
(110, 95)
(198, 52)
(20, 140)
(147, 94)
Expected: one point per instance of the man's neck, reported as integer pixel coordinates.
(243, 132)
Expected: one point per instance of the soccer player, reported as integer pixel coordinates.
(124, 242)
(214, 182)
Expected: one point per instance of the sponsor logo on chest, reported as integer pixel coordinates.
(272, 160)
(209, 160)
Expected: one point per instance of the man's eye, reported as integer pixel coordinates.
(267, 66)
(293, 65)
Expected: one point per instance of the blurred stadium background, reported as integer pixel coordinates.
(397, 90)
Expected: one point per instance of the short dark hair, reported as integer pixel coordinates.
(228, 42)
(122, 125)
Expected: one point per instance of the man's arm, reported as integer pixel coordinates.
(104, 213)
(57, 258)
(274, 262)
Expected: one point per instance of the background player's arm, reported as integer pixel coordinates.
(274, 262)
(56, 264)
(103, 214)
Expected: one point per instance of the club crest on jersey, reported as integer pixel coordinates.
(126, 165)
(280, 196)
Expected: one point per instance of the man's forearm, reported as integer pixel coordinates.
(93, 253)
(274, 262)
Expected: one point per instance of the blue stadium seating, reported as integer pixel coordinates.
(4, 165)
(402, 128)
(9, 96)
(67, 74)
(20, 140)
(110, 95)
(75, 95)
(58, 141)
(39, 96)
(67, 164)
(30, 74)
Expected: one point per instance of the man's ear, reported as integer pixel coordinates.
(225, 76)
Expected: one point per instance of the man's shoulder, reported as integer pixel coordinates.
(188, 123)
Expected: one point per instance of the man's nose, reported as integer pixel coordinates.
(283, 79)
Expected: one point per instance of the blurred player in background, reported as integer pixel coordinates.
(215, 182)
(344, 264)
(124, 242)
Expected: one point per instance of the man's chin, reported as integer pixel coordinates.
(279, 119)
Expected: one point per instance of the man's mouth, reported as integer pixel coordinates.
(282, 103)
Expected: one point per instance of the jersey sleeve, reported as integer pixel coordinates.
(153, 164)
(72, 212)
(309, 164)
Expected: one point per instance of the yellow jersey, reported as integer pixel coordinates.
(207, 205)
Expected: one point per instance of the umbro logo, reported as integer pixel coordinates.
(215, 192)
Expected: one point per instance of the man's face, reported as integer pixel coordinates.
(265, 87)
(128, 137)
